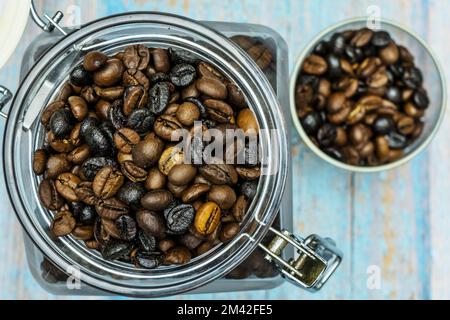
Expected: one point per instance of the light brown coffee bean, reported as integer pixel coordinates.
(125, 139)
(219, 111)
(389, 54)
(194, 192)
(222, 195)
(63, 224)
(239, 208)
(382, 149)
(156, 200)
(85, 193)
(155, 179)
(315, 65)
(49, 196)
(79, 154)
(111, 208)
(84, 233)
(170, 157)
(248, 173)
(187, 113)
(134, 172)
(166, 126)
(182, 174)
(39, 161)
(107, 182)
(212, 87)
(246, 121)
(406, 125)
(65, 184)
(207, 218)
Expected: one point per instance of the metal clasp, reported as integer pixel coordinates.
(316, 261)
(51, 23)
(5, 96)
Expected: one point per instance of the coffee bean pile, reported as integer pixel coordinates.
(111, 173)
(360, 97)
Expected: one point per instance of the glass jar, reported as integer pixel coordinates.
(315, 258)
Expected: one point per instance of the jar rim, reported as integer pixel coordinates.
(267, 111)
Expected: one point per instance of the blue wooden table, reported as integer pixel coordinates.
(394, 224)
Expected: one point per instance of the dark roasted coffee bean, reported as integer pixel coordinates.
(63, 224)
(190, 241)
(413, 78)
(159, 77)
(311, 123)
(107, 182)
(131, 193)
(127, 227)
(334, 153)
(147, 260)
(87, 215)
(110, 74)
(179, 218)
(87, 125)
(159, 97)
(49, 196)
(115, 250)
(49, 110)
(177, 255)
(397, 141)
(179, 56)
(326, 135)
(99, 142)
(394, 94)
(383, 125)
(94, 60)
(381, 39)
(80, 77)
(421, 100)
(140, 120)
(111, 208)
(183, 75)
(334, 66)
(145, 241)
(61, 123)
(152, 223)
(92, 165)
(249, 188)
(322, 48)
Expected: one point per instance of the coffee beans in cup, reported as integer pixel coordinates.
(360, 98)
(113, 174)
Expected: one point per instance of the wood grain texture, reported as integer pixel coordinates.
(397, 221)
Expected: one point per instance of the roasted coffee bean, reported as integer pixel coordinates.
(397, 141)
(65, 184)
(194, 192)
(219, 111)
(131, 193)
(80, 77)
(177, 255)
(85, 193)
(155, 179)
(315, 65)
(393, 94)
(133, 172)
(182, 75)
(61, 123)
(326, 135)
(40, 161)
(83, 233)
(179, 218)
(145, 241)
(79, 154)
(170, 157)
(382, 148)
(148, 151)
(406, 125)
(187, 113)
(190, 241)
(110, 93)
(381, 39)
(125, 139)
(311, 123)
(334, 66)
(147, 260)
(182, 174)
(107, 182)
(421, 100)
(57, 164)
(99, 142)
(212, 87)
(87, 215)
(248, 189)
(49, 196)
(222, 195)
(63, 224)
(156, 200)
(412, 78)
(127, 227)
(239, 208)
(389, 54)
(179, 56)
(362, 38)
(383, 125)
(206, 70)
(247, 173)
(116, 250)
(94, 60)
(91, 166)
(229, 231)
(79, 107)
(247, 122)
(159, 97)
(89, 95)
(219, 173)
(111, 208)
(110, 74)
(135, 97)
(207, 218)
(140, 120)
(166, 126)
(152, 223)
(50, 110)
